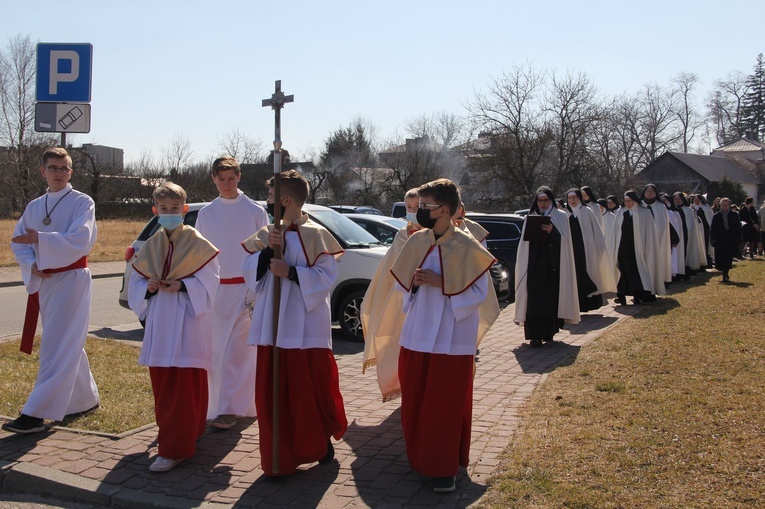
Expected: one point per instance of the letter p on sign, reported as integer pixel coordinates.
(56, 76)
(64, 72)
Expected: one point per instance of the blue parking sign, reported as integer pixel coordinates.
(64, 72)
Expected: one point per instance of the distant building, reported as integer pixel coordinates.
(751, 150)
(109, 159)
(694, 173)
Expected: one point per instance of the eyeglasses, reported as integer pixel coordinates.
(429, 206)
(58, 169)
(542, 200)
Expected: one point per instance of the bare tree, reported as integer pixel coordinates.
(685, 110)
(244, 148)
(17, 107)
(513, 113)
(724, 108)
(444, 128)
(572, 108)
(655, 128)
(176, 156)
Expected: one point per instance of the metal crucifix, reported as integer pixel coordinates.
(277, 102)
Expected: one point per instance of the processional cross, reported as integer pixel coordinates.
(277, 102)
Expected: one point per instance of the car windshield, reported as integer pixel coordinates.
(394, 221)
(345, 229)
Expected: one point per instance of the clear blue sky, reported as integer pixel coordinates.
(200, 69)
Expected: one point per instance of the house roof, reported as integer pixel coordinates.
(712, 168)
(742, 145)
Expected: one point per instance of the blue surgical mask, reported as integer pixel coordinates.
(170, 221)
(412, 217)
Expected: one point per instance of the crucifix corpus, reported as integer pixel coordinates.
(277, 102)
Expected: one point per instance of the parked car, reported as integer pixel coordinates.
(385, 229)
(356, 268)
(398, 209)
(353, 209)
(522, 212)
(504, 237)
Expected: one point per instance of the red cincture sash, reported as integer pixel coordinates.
(33, 307)
(232, 281)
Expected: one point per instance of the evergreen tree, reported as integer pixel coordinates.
(753, 107)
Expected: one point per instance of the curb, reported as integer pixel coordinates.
(6, 284)
(36, 479)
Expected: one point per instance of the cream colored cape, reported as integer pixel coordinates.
(382, 318)
(463, 262)
(175, 257)
(478, 232)
(314, 239)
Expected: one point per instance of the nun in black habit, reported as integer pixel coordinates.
(546, 294)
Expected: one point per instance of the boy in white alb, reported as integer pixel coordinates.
(311, 407)
(442, 273)
(226, 222)
(51, 243)
(172, 288)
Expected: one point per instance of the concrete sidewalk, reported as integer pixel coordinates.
(11, 275)
(371, 468)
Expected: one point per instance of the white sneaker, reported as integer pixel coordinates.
(164, 464)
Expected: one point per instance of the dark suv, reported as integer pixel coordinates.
(504, 237)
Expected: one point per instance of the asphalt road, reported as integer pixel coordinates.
(110, 320)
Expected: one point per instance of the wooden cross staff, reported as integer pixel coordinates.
(277, 102)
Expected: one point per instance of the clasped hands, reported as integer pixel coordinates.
(427, 277)
(163, 285)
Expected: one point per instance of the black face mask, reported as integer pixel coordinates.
(270, 210)
(424, 219)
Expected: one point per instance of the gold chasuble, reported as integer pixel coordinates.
(463, 262)
(175, 257)
(314, 239)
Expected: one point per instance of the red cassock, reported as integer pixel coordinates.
(436, 410)
(310, 403)
(180, 403)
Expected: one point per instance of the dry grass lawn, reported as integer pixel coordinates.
(124, 386)
(114, 236)
(665, 410)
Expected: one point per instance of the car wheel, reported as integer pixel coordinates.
(350, 315)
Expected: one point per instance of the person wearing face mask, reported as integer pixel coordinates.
(310, 403)
(173, 286)
(381, 310)
(594, 276)
(725, 233)
(546, 294)
(442, 274)
(636, 269)
(663, 248)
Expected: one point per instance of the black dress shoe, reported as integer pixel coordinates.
(622, 301)
(330, 454)
(25, 424)
(535, 343)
